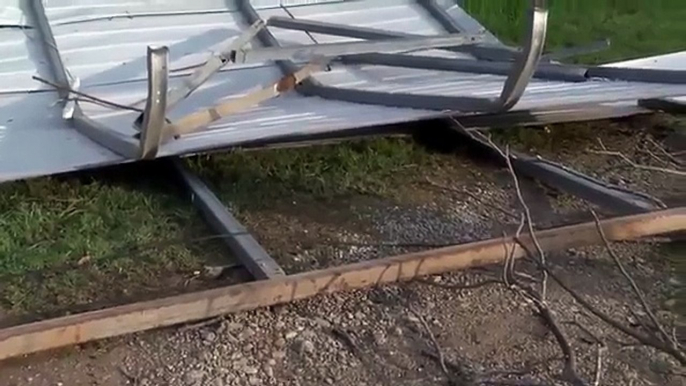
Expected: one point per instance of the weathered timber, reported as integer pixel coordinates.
(89, 326)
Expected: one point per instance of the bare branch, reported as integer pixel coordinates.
(476, 285)
(646, 340)
(632, 163)
(570, 372)
(588, 332)
(599, 364)
(508, 160)
(437, 347)
(637, 291)
(509, 268)
(662, 150)
(202, 324)
(471, 195)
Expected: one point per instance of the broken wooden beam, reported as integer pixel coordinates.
(89, 326)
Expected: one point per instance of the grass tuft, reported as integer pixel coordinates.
(252, 179)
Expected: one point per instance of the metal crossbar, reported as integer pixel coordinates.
(234, 53)
(297, 64)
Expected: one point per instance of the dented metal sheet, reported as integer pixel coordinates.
(104, 45)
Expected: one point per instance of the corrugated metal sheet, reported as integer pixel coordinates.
(104, 44)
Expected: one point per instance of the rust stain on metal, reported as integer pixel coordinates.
(287, 83)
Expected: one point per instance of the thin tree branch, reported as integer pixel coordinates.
(648, 341)
(632, 163)
(510, 260)
(637, 291)
(599, 364)
(469, 194)
(508, 160)
(662, 150)
(437, 347)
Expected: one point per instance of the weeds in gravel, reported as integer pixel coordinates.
(253, 179)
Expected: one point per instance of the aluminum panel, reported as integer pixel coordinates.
(20, 59)
(11, 14)
(104, 44)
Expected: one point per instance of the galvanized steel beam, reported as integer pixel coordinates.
(646, 75)
(59, 71)
(311, 87)
(246, 249)
(547, 71)
(668, 105)
(118, 143)
(156, 105)
(309, 52)
(512, 90)
(617, 199)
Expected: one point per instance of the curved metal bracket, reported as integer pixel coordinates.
(527, 61)
(156, 105)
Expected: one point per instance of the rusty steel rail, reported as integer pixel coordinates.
(89, 326)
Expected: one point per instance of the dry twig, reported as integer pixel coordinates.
(601, 348)
(679, 355)
(626, 159)
(599, 364)
(469, 194)
(637, 291)
(570, 372)
(509, 268)
(203, 323)
(662, 150)
(432, 337)
(527, 213)
(460, 287)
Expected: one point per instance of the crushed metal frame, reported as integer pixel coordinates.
(519, 76)
(155, 131)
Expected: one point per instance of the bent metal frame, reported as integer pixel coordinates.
(297, 64)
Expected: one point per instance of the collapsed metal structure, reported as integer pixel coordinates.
(280, 71)
(279, 78)
(283, 72)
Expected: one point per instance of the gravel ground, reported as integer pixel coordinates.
(385, 335)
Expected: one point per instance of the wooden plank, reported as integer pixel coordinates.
(79, 328)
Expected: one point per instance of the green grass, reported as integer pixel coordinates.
(67, 240)
(636, 28)
(254, 179)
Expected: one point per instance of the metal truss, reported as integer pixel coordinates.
(299, 63)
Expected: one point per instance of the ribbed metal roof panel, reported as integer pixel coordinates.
(104, 43)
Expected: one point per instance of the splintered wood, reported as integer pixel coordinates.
(80, 328)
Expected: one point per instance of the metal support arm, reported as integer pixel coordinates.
(156, 106)
(525, 65)
(520, 74)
